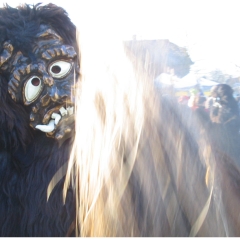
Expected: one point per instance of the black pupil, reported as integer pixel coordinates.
(56, 69)
(35, 81)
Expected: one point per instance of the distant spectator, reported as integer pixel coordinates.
(200, 110)
(194, 93)
(224, 114)
(224, 107)
(199, 102)
(183, 99)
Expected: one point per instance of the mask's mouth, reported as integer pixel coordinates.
(53, 118)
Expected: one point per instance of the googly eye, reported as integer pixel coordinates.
(60, 69)
(33, 88)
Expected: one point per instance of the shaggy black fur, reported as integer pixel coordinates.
(29, 159)
(225, 119)
(21, 24)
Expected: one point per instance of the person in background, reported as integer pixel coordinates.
(183, 99)
(224, 115)
(194, 93)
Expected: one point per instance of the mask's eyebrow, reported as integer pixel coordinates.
(59, 51)
(46, 37)
(48, 34)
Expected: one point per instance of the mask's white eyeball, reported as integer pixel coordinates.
(60, 69)
(33, 88)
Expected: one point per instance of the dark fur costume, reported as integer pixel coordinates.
(28, 158)
(224, 114)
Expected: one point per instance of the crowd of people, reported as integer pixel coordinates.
(219, 114)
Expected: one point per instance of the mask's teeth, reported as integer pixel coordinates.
(63, 111)
(56, 117)
(70, 110)
(46, 128)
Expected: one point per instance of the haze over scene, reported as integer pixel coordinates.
(208, 29)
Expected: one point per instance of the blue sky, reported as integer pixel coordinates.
(209, 29)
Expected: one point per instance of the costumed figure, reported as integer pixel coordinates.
(38, 69)
(224, 114)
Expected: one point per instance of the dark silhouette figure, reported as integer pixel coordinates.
(224, 114)
(38, 59)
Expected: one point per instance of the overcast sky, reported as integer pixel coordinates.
(209, 29)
